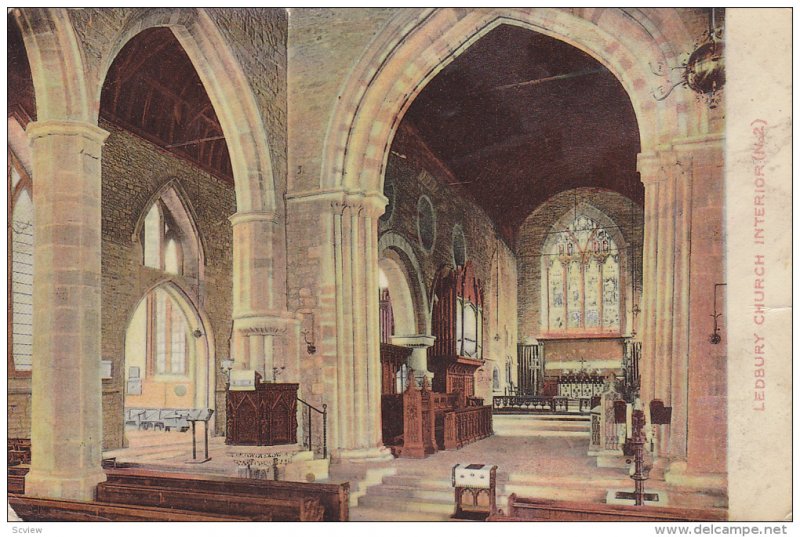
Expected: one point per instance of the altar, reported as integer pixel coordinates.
(580, 385)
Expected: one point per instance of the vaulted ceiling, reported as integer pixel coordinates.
(153, 90)
(521, 116)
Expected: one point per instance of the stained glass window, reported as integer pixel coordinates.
(581, 279)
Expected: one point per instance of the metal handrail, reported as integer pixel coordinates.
(324, 413)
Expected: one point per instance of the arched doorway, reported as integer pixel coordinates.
(169, 361)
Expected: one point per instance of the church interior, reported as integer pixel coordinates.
(366, 264)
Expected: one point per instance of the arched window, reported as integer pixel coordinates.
(581, 279)
(22, 282)
(496, 379)
(167, 334)
(169, 237)
(153, 237)
(172, 259)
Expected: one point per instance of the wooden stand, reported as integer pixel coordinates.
(195, 416)
(475, 491)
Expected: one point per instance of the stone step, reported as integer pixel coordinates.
(412, 493)
(599, 477)
(370, 514)
(542, 417)
(576, 493)
(408, 480)
(534, 427)
(543, 432)
(390, 503)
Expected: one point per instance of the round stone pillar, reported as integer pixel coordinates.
(67, 419)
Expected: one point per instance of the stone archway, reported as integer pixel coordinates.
(200, 372)
(418, 44)
(394, 246)
(678, 142)
(229, 92)
(410, 307)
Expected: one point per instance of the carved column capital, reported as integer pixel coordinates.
(268, 217)
(89, 131)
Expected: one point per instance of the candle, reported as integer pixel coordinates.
(628, 420)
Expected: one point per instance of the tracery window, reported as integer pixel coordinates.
(582, 280)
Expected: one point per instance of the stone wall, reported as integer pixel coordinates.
(324, 46)
(133, 171)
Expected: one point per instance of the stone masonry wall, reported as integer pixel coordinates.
(133, 170)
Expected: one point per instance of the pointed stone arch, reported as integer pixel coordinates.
(205, 360)
(230, 94)
(393, 245)
(57, 66)
(416, 45)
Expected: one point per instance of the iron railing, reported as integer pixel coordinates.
(308, 438)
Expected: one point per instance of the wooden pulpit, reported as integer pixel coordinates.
(264, 416)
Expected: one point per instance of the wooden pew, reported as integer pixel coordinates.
(542, 510)
(19, 451)
(16, 478)
(32, 509)
(256, 508)
(332, 498)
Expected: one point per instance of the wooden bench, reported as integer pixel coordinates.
(307, 501)
(32, 509)
(541, 510)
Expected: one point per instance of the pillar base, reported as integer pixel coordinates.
(69, 487)
(678, 474)
(374, 454)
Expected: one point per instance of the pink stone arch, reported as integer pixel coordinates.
(57, 67)
(417, 44)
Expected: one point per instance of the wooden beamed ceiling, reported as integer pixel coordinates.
(520, 116)
(153, 90)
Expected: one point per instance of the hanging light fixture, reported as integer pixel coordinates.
(704, 70)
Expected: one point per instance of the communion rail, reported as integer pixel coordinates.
(522, 404)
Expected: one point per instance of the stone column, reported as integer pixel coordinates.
(258, 308)
(667, 179)
(419, 344)
(67, 418)
(358, 371)
(682, 262)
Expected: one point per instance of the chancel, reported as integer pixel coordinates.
(363, 247)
